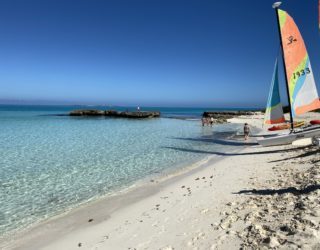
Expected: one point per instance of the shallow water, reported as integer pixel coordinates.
(49, 164)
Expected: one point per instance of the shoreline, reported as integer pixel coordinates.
(45, 204)
(67, 231)
(196, 207)
(121, 196)
(163, 176)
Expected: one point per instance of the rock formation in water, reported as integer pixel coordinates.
(114, 113)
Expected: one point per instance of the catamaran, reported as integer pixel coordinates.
(300, 85)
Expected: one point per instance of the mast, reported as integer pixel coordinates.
(276, 7)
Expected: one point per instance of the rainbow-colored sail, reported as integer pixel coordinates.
(302, 89)
(274, 111)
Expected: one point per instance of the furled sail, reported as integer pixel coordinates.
(302, 89)
(274, 111)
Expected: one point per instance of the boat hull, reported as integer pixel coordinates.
(289, 138)
(286, 126)
(315, 122)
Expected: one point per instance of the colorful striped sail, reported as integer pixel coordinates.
(274, 111)
(302, 88)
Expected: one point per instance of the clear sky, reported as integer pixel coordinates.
(145, 52)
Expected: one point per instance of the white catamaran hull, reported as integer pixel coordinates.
(289, 138)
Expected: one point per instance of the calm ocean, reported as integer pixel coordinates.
(50, 164)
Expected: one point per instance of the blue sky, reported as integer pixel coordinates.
(145, 52)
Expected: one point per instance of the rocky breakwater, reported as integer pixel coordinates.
(222, 116)
(114, 113)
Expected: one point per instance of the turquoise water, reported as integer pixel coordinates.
(49, 163)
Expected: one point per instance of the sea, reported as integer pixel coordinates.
(51, 163)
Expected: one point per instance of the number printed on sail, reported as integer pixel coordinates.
(301, 73)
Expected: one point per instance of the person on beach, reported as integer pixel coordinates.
(203, 120)
(211, 121)
(246, 131)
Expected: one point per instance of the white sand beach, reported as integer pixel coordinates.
(256, 198)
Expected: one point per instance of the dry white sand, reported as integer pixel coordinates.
(256, 198)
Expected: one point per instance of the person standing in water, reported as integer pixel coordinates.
(211, 121)
(203, 120)
(246, 131)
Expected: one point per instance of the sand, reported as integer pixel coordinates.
(256, 198)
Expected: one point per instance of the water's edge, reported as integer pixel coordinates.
(119, 199)
(53, 165)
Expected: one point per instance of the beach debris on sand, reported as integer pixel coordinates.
(283, 212)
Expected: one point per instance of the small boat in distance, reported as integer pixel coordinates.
(300, 85)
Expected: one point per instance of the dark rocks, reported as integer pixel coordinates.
(136, 114)
(226, 114)
(114, 113)
(87, 112)
(111, 113)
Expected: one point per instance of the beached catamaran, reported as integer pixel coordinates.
(301, 88)
(274, 111)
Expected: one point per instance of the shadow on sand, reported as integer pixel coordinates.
(309, 153)
(231, 154)
(289, 190)
(218, 141)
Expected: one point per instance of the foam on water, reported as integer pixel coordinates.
(49, 164)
